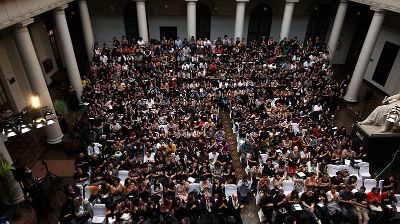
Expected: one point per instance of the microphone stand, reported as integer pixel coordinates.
(391, 162)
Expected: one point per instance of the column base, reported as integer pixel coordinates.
(55, 141)
(350, 99)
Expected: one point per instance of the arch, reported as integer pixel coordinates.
(259, 22)
(319, 20)
(203, 21)
(130, 21)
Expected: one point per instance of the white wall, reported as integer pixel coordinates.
(13, 90)
(392, 84)
(222, 25)
(298, 27)
(43, 48)
(105, 27)
(346, 36)
(154, 23)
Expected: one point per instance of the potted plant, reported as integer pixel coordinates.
(12, 197)
(68, 119)
(10, 191)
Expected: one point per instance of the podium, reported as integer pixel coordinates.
(380, 147)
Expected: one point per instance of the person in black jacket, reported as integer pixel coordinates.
(235, 207)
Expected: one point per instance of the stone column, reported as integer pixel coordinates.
(86, 27)
(35, 76)
(239, 21)
(142, 19)
(365, 55)
(337, 27)
(191, 18)
(287, 18)
(18, 194)
(67, 50)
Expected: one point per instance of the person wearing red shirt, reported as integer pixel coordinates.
(374, 200)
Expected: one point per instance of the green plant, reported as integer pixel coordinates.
(9, 189)
(71, 117)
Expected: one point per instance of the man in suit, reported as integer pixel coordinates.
(208, 208)
(235, 207)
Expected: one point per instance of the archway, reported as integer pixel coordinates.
(318, 22)
(131, 22)
(203, 24)
(260, 23)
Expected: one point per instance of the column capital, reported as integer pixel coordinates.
(61, 9)
(187, 1)
(292, 1)
(245, 1)
(344, 1)
(24, 23)
(376, 8)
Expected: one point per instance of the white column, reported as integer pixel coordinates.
(18, 194)
(239, 21)
(86, 27)
(287, 18)
(337, 27)
(35, 76)
(142, 19)
(365, 55)
(68, 50)
(191, 18)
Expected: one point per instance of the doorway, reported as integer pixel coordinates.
(203, 21)
(385, 63)
(318, 22)
(260, 23)
(168, 32)
(130, 21)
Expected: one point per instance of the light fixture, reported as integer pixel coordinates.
(31, 118)
(35, 101)
(50, 117)
(40, 122)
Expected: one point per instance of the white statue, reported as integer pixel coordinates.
(379, 115)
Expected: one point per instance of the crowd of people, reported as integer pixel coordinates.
(154, 110)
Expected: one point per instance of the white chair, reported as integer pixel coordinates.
(194, 187)
(230, 189)
(261, 216)
(122, 175)
(86, 194)
(353, 172)
(99, 213)
(343, 167)
(264, 157)
(80, 188)
(240, 143)
(287, 186)
(364, 170)
(359, 183)
(369, 184)
(380, 185)
(398, 202)
(332, 169)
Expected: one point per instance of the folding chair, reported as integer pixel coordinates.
(230, 189)
(99, 214)
(369, 184)
(122, 175)
(287, 186)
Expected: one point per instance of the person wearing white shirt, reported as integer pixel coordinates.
(94, 148)
(317, 107)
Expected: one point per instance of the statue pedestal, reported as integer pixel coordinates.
(380, 147)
